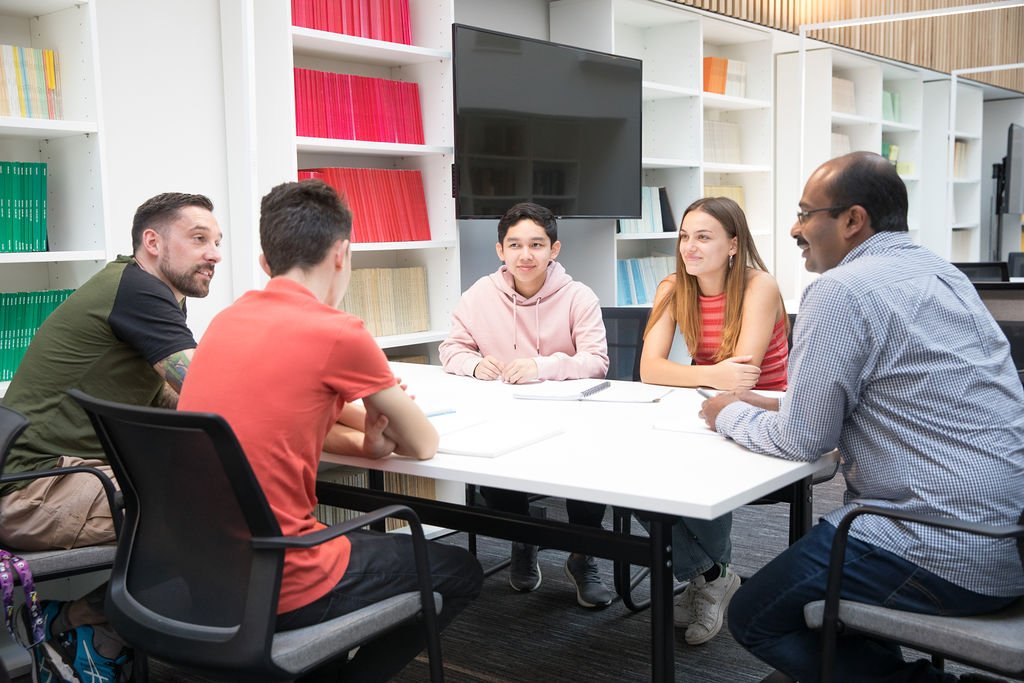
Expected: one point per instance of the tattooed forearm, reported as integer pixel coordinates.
(173, 369)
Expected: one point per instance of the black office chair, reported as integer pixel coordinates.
(993, 642)
(1015, 263)
(624, 328)
(57, 564)
(985, 271)
(198, 567)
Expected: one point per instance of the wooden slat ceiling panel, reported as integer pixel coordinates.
(960, 41)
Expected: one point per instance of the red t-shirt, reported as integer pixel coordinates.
(773, 366)
(279, 365)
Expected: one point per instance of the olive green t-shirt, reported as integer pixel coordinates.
(103, 340)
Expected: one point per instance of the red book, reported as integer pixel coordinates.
(300, 104)
(365, 10)
(415, 115)
(346, 16)
(377, 20)
(406, 22)
(317, 102)
(388, 102)
(419, 210)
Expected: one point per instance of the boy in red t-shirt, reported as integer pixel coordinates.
(283, 366)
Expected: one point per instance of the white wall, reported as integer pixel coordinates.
(519, 17)
(998, 116)
(162, 95)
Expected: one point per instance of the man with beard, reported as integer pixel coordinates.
(121, 336)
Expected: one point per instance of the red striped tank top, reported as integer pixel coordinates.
(773, 366)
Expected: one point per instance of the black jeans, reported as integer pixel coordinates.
(579, 511)
(380, 566)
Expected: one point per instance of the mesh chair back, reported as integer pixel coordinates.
(186, 576)
(624, 327)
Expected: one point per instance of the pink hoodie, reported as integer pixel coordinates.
(566, 339)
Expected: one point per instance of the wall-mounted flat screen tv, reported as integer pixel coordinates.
(543, 122)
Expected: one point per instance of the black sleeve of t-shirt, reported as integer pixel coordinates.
(146, 316)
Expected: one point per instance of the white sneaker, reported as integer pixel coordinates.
(710, 601)
(682, 612)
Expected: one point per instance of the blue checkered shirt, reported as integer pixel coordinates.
(898, 364)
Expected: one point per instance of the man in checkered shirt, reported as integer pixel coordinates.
(898, 364)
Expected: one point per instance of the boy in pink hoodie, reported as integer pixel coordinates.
(530, 320)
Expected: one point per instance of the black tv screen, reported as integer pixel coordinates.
(542, 122)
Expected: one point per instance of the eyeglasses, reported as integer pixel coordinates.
(802, 216)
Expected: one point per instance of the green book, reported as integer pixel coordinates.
(887, 108)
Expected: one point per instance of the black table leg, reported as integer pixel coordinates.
(662, 635)
(801, 509)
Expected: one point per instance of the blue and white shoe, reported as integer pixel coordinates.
(42, 670)
(89, 666)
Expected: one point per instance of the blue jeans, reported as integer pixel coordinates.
(380, 566)
(697, 544)
(766, 614)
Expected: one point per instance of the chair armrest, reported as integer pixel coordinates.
(114, 498)
(830, 618)
(419, 550)
(323, 535)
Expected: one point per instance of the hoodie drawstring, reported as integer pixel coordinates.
(537, 309)
(515, 326)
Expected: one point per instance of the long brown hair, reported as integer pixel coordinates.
(684, 301)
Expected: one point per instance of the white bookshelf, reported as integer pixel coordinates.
(857, 119)
(672, 42)
(953, 223)
(75, 221)
(428, 63)
(279, 48)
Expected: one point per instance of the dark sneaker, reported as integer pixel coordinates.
(590, 589)
(524, 570)
(42, 669)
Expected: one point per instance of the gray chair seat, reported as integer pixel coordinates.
(995, 641)
(55, 564)
(294, 651)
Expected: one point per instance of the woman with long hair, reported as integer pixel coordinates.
(729, 311)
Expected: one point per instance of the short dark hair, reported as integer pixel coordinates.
(870, 180)
(155, 213)
(529, 211)
(299, 222)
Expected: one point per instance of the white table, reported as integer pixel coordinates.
(607, 453)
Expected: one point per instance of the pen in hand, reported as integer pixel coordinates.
(704, 392)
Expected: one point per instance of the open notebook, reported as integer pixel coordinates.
(593, 390)
(462, 434)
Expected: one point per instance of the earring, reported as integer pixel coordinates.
(730, 260)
